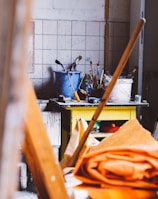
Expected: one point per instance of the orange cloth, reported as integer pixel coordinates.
(129, 158)
(124, 193)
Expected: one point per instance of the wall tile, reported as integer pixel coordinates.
(49, 42)
(38, 27)
(92, 43)
(78, 42)
(101, 58)
(49, 56)
(101, 43)
(64, 27)
(64, 56)
(38, 56)
(50, 27)
(64, 42)
(38, 42)
(92, 28)
(78, 27)
(102, 28)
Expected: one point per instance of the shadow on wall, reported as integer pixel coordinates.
(47, 89)
(150, 115)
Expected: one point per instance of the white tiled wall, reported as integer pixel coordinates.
(65, 29)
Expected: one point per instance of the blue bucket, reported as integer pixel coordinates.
(66, 82)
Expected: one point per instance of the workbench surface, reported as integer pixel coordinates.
(85, 103)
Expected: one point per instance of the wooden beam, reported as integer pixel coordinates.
(14, 17)
(39, 154)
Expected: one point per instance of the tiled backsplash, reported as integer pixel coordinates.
(65, 39)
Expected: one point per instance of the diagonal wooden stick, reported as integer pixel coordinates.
(106, 94)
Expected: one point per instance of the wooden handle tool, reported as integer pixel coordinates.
(77, 96)
(74, 91)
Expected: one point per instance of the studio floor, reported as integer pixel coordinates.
(25, 195)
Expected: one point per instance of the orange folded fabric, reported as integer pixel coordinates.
(129, 158)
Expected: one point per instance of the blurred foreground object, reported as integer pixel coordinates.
(128, 158)
(14, 23)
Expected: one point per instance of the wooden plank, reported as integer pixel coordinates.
(14, 17)
(39, 154)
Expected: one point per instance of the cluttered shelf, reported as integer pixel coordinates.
(112, 111)
(73, 110)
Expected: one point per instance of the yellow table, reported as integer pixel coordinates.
(108, 113)
(71, 111)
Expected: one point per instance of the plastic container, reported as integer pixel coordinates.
(66, 82)
(121, 92)
(110, 129)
